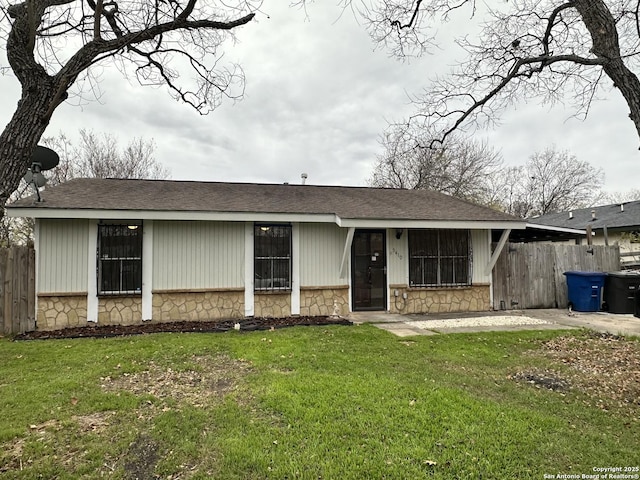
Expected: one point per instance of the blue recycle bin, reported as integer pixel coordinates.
(585, 290)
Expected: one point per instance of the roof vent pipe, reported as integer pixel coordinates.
(304, 177)
(593, 214)
(570, 215)
(622, 207)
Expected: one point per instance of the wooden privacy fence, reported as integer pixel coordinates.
(530, 275)
(17, 290)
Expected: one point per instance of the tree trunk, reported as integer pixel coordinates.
(22, 133)
(604, 35)
(41, 93)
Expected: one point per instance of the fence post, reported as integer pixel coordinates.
(8, 293)
(31, 291)
(3, 297)
(21, 280)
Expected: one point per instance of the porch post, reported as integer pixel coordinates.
(295, 269)
(36, 247)
(92, 273)
(248, 270)
(345, 253)
(498, 251)
(147, 269)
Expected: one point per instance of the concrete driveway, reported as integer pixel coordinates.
(511, 320)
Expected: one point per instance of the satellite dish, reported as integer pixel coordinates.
(42, 159)
(45, 158)
(35, 178)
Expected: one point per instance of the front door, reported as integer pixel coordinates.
(369, 270)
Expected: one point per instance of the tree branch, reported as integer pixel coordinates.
(551, 23)
(515, 72)
(416, 10)
(96, 22)
(187, 10)
(84, 57)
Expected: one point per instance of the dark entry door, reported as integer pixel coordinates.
(369, 270)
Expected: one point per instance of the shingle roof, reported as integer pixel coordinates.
(611, 216)
(189, 196)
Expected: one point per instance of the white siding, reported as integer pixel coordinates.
(62, 255)
(481, 255)
(398, 253)
(321, 247)
(194, 254)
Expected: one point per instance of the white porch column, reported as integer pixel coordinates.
(497, 251)
(490, 276)
(36, 247)
(147, 269)
(92, 273)
(345, 253)
(295, 269)
(248, 269)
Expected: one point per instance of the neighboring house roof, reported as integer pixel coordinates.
(625, 216)
(78, 197)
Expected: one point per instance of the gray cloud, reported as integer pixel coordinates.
(318, 95)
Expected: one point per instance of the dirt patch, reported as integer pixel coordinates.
(546, 380)
(196, 381)
(247, 324)
(606, 367)
(94, 422)
(141, 458)
(11, 455)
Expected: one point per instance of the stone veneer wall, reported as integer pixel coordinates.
(206, 305)
(276, 305)
(475, 298)
(56, 312)
(324, 300)
(119, 310)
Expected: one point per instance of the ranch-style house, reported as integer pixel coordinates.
(117, 251)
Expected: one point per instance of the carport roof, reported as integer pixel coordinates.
(623, 216)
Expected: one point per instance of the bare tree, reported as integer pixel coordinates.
(459, 167)
(14, 230)
(622, 197)
(551, 181)
(100, 157)
(550, 49)
(92, 157)
(51, 44)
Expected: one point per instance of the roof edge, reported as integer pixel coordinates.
(176, 215)
(540, 226)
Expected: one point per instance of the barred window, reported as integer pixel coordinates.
(272, 257)
(439, 257)
(119, 259)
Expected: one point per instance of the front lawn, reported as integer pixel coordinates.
(318, 402)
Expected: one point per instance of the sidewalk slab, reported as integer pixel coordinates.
(403, 329)
(556, 319)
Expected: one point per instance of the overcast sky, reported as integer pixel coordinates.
(318, 95)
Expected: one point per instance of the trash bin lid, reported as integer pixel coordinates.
(625, 274)
(586, 274)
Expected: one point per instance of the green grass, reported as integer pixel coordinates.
(336, 402)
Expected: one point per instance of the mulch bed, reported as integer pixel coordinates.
(246, 324)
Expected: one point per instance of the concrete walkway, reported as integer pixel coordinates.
(511, 320)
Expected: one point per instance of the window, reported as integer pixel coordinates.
(119, 259)
(272, 257)
(439, 257)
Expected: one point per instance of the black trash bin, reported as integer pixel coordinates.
(637, 312)
(620, 291)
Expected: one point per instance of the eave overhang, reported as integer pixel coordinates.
(260, 217)
(550, 228)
